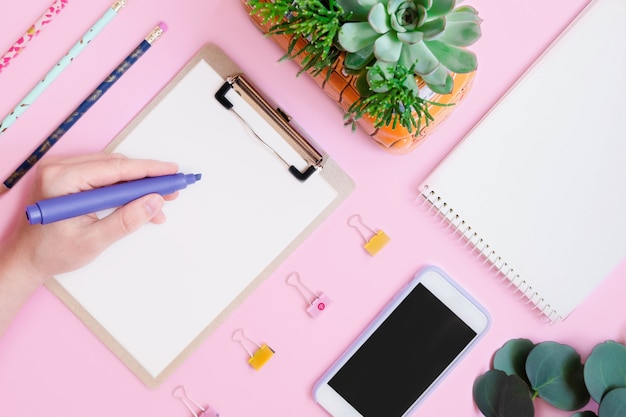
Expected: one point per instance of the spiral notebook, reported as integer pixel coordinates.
(538, 187)
(156, 295)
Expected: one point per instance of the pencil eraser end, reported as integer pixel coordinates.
(163, 26)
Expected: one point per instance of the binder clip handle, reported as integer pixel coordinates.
(377, 240)
(261, 355)
(294, 280)
(317, 301)
(181, 394)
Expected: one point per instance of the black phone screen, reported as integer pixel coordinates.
(403, 357)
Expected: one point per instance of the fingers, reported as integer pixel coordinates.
(116, 168)
(129, 218)
(85, 172)
(71, 160)
(171, 197)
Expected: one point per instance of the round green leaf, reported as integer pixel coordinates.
(500, 395)
(511, 357)
(555, 373)
(605, 369)
(613, 404)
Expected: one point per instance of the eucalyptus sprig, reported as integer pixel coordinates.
(392, 98)
(317, 21)
(523, 371)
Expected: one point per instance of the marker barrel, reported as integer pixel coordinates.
(78, 204)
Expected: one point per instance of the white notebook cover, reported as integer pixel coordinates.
(539, 185)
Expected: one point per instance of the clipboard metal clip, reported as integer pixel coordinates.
(279, 120)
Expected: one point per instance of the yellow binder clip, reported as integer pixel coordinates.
(262, 354)
(377, 240)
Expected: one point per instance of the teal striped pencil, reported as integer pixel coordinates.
(63, 63)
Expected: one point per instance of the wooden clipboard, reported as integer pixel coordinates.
(155, 296)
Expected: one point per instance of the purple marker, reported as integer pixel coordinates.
(78, 204)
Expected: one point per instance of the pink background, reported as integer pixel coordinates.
(50, 364)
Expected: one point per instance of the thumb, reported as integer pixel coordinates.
(129, 218)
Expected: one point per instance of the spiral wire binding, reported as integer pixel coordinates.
(457, 225)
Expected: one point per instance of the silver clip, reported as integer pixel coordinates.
(317, 301)
(181, 394)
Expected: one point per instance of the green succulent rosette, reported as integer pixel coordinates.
(427, 37)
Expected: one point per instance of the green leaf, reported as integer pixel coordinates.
(433, 27)
(511, 357)
(354, 9)
(555, 373)
(410, 38)
(457, 59)
(387, 48)
(464, 13)
(500, 395)
(440, 81)
(613, 404)
(419, 55)
(378, 19)
(363, 85)
(605, 369)
(427, 4)
(356, 35)
(461, 33)
(359, 59)
(378, 72)
(585, 414)
(441, 8)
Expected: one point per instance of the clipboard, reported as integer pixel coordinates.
(155, 296)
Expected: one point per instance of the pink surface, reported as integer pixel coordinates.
(50, 364)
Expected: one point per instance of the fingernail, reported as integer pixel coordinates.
(154, 204)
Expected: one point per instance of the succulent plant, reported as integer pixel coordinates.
(384, 43)
(427, 36)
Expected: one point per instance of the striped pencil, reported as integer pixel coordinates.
(63, 63)
(83, 107)
(32, 33)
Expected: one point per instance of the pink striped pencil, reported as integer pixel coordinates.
(32, 32)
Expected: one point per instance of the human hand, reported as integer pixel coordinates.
(47, 250)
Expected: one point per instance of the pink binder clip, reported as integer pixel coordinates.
(317, 301)
(181, 394)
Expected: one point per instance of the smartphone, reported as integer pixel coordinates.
(406, 350)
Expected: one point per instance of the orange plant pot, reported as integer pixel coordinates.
(341, 88)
